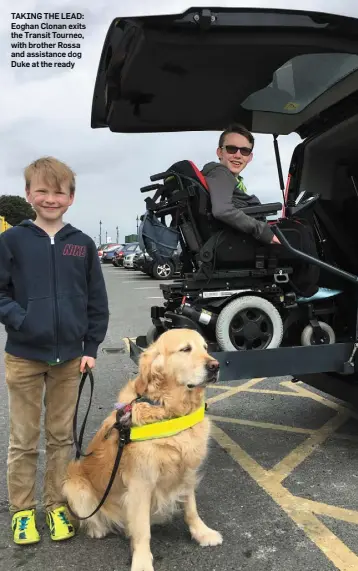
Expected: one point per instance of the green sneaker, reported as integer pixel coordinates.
(60, 526)
(24, 527)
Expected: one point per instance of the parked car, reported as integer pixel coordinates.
(144, 263)
(129, 257)
(130, 247)
(108, 254)
(103, 247)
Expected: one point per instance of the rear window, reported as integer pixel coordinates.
(300, 81)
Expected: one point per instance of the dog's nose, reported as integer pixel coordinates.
(213, 366)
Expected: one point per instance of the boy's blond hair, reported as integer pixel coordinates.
(52, 171)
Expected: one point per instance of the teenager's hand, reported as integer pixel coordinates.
(275, 240)
(90, 361)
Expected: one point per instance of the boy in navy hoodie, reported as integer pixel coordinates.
(54, 306)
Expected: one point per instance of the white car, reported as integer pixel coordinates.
(128, 260)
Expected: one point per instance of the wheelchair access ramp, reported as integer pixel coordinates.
(280, 362)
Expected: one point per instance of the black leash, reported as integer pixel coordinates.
(124, 438)
(78, 441)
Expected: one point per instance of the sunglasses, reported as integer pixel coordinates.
(232, 149)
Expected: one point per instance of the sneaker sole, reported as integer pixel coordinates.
(63, 538)
(27, 541)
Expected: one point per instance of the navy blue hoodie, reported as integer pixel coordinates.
(53, 299)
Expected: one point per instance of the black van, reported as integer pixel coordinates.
(297, 72)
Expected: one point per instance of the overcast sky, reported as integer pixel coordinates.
(48, 113)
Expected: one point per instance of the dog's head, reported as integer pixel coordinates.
(178, 358)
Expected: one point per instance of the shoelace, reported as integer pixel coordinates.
(63, 518)
(23, 523)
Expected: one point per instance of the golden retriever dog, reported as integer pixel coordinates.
(155, 476)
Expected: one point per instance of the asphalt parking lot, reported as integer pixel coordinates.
(280, 482)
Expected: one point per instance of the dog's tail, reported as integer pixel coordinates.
(83, 500)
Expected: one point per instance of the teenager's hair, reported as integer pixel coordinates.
(52, 171)
(240, 130)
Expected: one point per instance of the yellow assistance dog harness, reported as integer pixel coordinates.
(128, 433)
(160, 429)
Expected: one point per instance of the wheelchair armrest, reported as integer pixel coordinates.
(265, 209)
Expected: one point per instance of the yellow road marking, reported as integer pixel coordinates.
(318, 398)
(234, 390)
(220, 387)
(265, 425)
(319, 508)
(273, 392)
(332, 547)
(282, 469)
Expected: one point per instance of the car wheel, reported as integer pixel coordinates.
(249, 323)
(163, 271)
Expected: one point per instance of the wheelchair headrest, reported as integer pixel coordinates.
(188, 169)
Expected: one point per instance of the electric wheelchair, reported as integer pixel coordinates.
(238, 293)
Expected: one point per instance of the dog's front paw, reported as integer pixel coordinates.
(141, 562)
(207, 537)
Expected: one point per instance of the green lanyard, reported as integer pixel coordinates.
(240, 184)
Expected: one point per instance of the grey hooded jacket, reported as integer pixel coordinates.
(227, 200)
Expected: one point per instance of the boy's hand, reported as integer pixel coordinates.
(90, 361)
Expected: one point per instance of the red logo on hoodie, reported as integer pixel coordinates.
(74, 250)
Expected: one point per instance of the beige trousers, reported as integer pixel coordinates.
(26, 381)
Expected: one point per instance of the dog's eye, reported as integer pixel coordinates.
(186, 349)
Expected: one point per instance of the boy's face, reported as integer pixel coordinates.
(230, 154)
(50, 203)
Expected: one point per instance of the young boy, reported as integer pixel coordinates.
(228, 193)
(54, 306)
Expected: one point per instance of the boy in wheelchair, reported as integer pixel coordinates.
(228, 193)
(239, 288)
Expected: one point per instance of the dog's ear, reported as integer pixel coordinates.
(146, 361)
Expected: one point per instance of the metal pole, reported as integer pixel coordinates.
(100, 232)
(117, 234)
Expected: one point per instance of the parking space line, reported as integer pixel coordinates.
(332, 547)
(273, 392)
(306, 448)
(220, 387)
(343, 514)
(264, 425)
(318, 398)
(233, 391)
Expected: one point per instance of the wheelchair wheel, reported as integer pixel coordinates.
(328, 336)
(249, 323)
